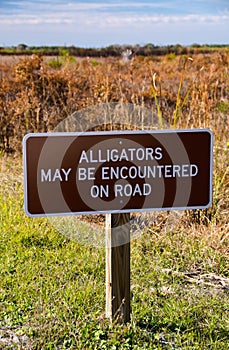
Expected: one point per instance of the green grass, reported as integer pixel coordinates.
(52, 289)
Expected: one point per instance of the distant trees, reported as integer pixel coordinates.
(21, 47)
(111, 50)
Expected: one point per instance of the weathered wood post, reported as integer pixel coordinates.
(118, 267)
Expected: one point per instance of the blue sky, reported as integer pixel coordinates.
(93, 23)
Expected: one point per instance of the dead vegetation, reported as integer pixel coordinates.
(185, 91)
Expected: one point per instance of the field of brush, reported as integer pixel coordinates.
(52, 285)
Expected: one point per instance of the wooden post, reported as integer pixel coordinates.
(118, 267)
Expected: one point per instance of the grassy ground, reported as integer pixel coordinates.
(52, 289)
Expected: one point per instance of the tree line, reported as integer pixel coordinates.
(111, 50)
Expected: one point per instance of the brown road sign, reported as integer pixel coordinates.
(117, 171)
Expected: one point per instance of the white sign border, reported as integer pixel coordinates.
(115, 132)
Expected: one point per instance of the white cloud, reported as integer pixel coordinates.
(102, 13)
(92, 8)
(35, 20)
(101, 23)
(85, 6)
(107, 19)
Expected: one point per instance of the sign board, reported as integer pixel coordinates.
(117, 171)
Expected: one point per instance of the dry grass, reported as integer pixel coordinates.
(187, 92)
